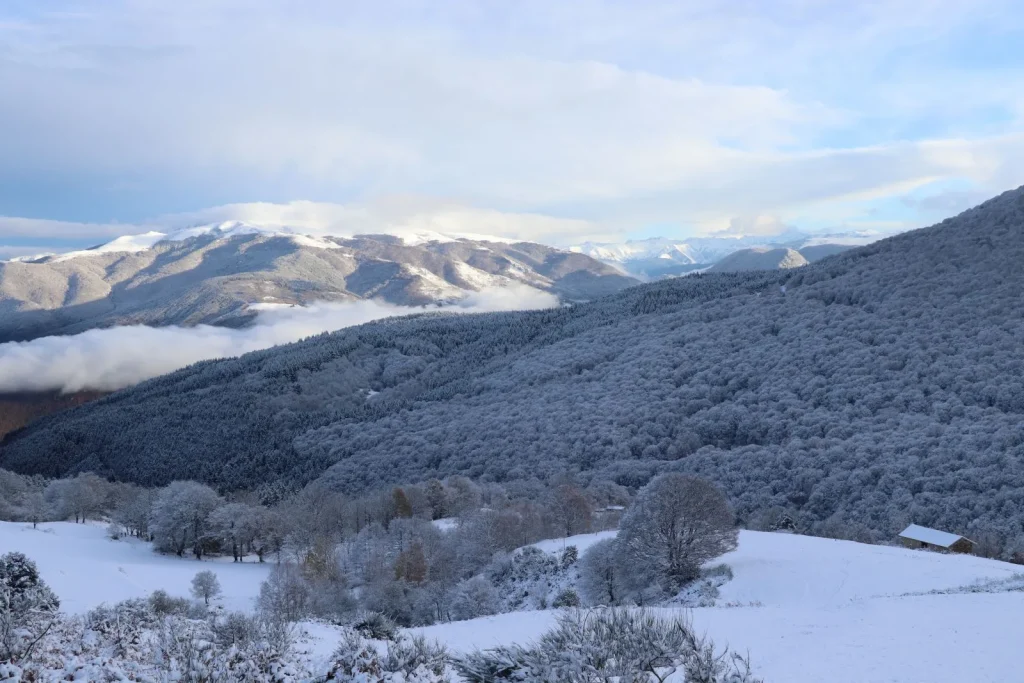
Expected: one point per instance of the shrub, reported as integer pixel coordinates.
(473, 598)
(376, 626)
(28, 608)
(567, 598)
(163, 604)
(613, 644)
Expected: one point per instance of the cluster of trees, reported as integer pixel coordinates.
(405, 570)
(163, 638)
(879, 386)
(417, 553)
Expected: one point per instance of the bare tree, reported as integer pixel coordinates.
(676, 524)
(285, 595)
(205, 585)
(571, 510)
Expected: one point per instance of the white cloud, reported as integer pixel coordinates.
(113, 358)
(617, 114)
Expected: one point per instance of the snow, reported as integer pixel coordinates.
(582, 542)
(446, 524)
(805, 609)
(228, 229)
(131, 244)
(942, 539)
(85, 568)
(479, 279)
(810, 609)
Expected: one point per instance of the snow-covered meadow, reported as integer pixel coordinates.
(85, 568)
(812, 609)
(805, 609)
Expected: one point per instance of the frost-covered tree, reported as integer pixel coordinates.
(205, 586)
(236, 526)
(180, 518)
(28, 608)
(600, 579)
(285, 595)
(676, 524)
(80, 498)
(474, 598)
(133, 509)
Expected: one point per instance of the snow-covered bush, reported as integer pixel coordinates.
(405, 660)
(130, 641)
(567, 598)
(28, 608)
(615, 644)
(162, 603)
(122, 625)
(529, 578)
(375, 625)
(473, 598)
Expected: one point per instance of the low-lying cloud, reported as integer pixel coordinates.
(117, 357)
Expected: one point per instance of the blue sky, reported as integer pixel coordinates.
(554, 121)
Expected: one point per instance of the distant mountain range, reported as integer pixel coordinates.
(659, 257)
(221, 274)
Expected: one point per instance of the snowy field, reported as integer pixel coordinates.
(806, 609)
(85, 568)
(813, 610)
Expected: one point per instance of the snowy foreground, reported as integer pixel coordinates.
(810, 610)
(806, 609)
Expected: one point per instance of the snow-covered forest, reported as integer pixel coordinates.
(878, 387)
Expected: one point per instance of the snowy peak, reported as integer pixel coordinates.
(637, 250)
(658, 257)
(217, 273)
(133, 244)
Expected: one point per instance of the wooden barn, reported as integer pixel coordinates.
(915, 536)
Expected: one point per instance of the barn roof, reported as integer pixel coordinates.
(943, 539)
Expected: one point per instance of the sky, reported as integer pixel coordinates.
(558, 122)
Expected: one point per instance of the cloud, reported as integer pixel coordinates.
(616, 115)
(12, 226)
(117, 357)
(394, 216)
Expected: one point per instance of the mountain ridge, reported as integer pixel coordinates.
(215, 274)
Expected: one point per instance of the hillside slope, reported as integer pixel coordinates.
(808, 610)
(880, 386)
(214, 274)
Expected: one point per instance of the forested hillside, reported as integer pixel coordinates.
(882, 385)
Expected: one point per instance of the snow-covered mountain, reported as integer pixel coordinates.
(760, 258)
(216, 273)
(658, 257)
